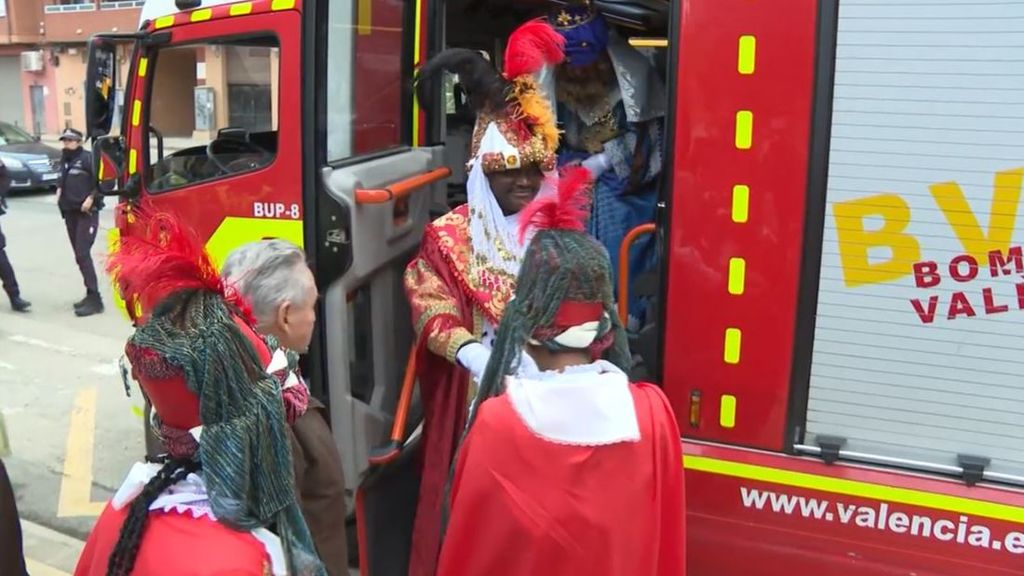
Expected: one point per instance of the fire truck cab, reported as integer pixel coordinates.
(838, 232)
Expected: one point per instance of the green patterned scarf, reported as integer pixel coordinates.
(245, 451)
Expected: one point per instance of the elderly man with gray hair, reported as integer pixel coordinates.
(273, 277)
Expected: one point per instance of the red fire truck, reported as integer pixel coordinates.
(840, 293)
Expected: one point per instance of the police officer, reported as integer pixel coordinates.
(80, 204)
(10, 283)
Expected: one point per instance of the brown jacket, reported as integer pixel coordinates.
(321, 485)
(12, 559)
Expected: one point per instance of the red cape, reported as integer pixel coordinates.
(176, 545)
(525, 505)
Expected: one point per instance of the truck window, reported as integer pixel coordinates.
(920, 295)
(214, 111)
(365, 72)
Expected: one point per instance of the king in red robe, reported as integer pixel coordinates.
(567, 467)
(461, 280)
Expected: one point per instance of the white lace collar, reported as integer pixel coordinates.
(189, 497)
(588, 405)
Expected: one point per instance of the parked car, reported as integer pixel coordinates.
(31, 164)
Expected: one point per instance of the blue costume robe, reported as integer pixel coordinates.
(617, 208)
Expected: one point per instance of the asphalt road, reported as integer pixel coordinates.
(73, 433)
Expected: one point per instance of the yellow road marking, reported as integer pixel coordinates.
(36, 568)
(76, 485)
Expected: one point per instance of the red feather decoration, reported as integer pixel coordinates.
(159, 258)
(567, 209)
(531, 47)
(521, 128)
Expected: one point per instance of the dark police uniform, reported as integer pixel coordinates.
(77, 184)
(7, 279)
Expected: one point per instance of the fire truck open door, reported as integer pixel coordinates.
(368, 337)
(381, 185)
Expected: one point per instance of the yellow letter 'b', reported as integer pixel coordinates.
(855, 241)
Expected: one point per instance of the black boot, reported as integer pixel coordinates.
(19, 304)
(81, 302)
(93, 304)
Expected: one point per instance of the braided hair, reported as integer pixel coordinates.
(122, 560)
(558, 266)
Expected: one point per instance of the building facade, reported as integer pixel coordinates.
(43, 50)
(199, 89)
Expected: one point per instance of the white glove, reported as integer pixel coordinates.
(474, 357)
(597, 164)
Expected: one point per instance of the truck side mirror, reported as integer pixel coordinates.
(109, 164)
(100, 81)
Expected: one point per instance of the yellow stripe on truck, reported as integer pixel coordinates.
(232, 233)
(955, 504)
(416, 57)
(240, 9)
(113, 236)
(235, 231)
(747, 55)
(163, 22)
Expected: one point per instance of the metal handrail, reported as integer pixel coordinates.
(627, 244)
(402, 188)
(393, 448)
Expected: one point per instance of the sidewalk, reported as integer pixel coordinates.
(49, 553)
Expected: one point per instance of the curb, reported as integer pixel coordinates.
(48, 552)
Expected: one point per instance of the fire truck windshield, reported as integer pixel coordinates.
(215, 109)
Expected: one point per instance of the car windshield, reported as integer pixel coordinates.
(11, 134)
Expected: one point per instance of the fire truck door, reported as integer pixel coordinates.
(368, 335)
(366, 316)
